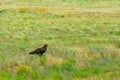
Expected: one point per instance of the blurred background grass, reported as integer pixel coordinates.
(83, 38)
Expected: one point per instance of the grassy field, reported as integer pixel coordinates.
(83, 38)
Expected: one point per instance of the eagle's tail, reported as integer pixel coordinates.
(33, 52)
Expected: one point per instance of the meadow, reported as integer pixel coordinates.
(83, 38)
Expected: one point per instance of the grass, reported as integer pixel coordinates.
(83, 39)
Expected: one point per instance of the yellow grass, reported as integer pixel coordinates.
(52, 60)
(17, 68)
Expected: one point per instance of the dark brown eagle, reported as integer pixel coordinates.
(40, 51)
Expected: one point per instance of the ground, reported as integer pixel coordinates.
(83, 38)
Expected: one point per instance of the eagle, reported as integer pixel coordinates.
(40, 51)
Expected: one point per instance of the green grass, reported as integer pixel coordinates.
(83, 38)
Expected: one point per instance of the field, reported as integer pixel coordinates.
(83, 38)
